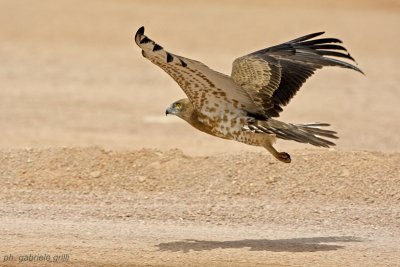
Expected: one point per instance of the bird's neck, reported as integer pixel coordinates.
(194, 119)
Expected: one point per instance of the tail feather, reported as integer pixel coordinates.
(310, 133)
(316, 130)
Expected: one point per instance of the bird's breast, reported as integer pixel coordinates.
(221, 124)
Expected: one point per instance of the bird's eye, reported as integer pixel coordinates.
(178, 105)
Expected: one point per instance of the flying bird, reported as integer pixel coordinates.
(242, 106)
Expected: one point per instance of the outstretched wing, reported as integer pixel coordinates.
(205, 88)
(272, 76)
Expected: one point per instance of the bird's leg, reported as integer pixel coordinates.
(282, 156)
(264, 140)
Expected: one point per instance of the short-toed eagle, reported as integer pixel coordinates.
(242, 106)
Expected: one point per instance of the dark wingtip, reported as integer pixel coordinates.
(357, 69)
(157, 47)
(315, 34)
(140, 31)
(306, 37)
(169, 57)
(183, 63)
(144, 40)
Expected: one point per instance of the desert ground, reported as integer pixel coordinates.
(93, 173)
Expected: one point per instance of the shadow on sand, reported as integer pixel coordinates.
(311, 244)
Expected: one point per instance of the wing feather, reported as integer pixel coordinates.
(257, 78)
(203, 86)
(294, 61)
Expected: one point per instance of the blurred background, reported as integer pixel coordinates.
(71, 75)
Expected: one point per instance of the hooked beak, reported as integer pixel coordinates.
(168, 111)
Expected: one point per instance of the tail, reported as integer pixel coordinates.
(310, 133)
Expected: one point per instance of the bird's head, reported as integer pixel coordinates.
(182, 108)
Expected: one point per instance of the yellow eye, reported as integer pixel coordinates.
(178, 106)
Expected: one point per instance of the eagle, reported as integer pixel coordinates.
(244, 105)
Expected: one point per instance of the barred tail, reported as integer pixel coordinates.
(310, 133)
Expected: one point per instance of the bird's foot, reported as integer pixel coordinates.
(284, 157)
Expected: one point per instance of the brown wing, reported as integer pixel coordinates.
(259, 77)
(286, 67)
(205, 88)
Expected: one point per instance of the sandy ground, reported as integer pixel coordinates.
(93, 173)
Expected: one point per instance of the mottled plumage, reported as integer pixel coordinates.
(241, 107)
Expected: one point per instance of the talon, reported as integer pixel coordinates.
(284, 157)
